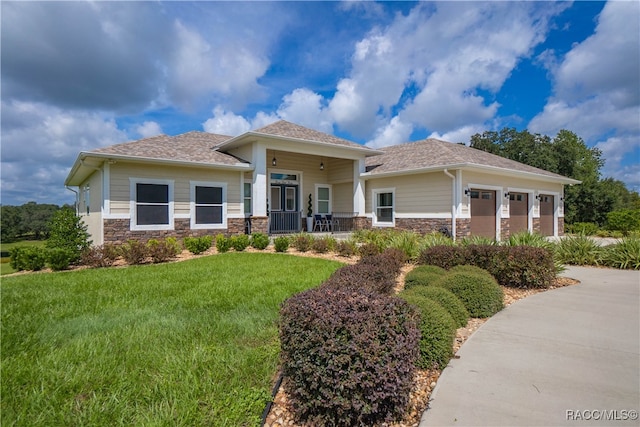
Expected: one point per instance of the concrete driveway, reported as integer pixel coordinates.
(569, 356)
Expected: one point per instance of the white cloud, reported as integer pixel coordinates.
(597, 90)
(396, 132)
(462, 134)
(40, 144)
(305, 107)
(149, 129)
(226, 123)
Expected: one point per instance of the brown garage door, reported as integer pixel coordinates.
(518, 212)
(483, 213)
(546, 215)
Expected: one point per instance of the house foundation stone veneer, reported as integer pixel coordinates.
(259, 224)
(505, 228)
(423, 225)
(117, 231)
(463, 228)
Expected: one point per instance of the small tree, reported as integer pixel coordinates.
(309, 207)
(68, 231)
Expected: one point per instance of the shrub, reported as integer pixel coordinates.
(163, 250)
(446, 299)
(259, 240)
(348, 356)
(524, 267)
(346, 248)
(59, 258)
(377, 273)
(524, 238)
(197, 245)
(434, 239)
(624, 220)
(281, 243)
(578, 250)
(321, 245)
(466, 268)
(437, 330)
(67, 231)
(625, 254)
(407, 242)
(134, 252)
(368, 249)
(443, 256)
(239, 242)
(584, 228)
(100, 256)
(223, 244)
(27, 258)
(302, 242)
(392, 259)
(423, 275)
(482, 297)
(478, 240)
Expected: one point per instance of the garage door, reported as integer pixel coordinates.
(546, 215)
(483, 213)
(518, 212)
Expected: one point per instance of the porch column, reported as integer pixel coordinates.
(259, 187)
(358, 187)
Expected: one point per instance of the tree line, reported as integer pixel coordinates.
(565, 154)
(31, 220)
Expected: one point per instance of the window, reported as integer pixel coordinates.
(383, 207)
(87, 197)
(247, 198)
(151, 204)
(323, 200)
(208, 205)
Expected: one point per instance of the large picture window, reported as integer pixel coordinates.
(208, 205)
(383, 207)
(152, 204)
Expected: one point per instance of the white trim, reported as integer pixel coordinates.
(133, 223)
(299, 183)
(117, 216)
(236, 216)
(192, 204)
(556, 207)
(181, 216)
(317, 187)
(530, 203)
(374, 207)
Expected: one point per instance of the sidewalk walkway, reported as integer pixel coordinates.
(554, 358)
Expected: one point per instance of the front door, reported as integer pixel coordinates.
(284, 215)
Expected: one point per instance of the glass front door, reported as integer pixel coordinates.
(284, 215)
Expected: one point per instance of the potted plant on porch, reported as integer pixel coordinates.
(309, 215)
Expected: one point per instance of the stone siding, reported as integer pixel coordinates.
(423, 225)
(463, 227)
(117, 231)
(505, 228)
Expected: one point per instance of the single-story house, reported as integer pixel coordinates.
(265, 180)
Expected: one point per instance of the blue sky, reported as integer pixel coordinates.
(83, 75)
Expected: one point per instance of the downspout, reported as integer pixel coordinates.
(77, 203)
(453, 203)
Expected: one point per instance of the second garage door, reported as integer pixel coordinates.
(546, 215)
(483, 213)
(518, 212)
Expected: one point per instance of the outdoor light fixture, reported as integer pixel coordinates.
(506, 195)
(539, 197)
(273, 161)
(466, 191)
(321, 165)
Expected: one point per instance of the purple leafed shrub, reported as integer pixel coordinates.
(348, 355)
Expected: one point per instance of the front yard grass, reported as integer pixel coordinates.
(188, 343)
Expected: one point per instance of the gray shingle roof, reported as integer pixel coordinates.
(433, 153)
(191, 147)
(287, 129)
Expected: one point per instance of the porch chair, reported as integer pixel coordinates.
(330, 222)
(318, 222)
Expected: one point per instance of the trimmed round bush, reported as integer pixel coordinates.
(423, 275)
(445, 256)
(481, 296)
(437, 331)
(446, 299)
(281, 243)
(259, 240)
(348, 356)
(471, 269)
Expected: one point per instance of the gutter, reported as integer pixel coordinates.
(453, 203)
(77, 203)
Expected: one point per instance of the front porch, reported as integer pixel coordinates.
(281, 222)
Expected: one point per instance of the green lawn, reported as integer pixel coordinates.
(189, 343)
